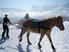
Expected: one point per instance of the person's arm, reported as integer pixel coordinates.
(9, 21)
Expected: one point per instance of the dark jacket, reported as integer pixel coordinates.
(6, 21)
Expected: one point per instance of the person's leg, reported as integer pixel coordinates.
(7, 33)
(3, 33)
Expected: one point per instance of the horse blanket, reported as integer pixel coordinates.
(37, 24)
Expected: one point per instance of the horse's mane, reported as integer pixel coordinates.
(53, 18)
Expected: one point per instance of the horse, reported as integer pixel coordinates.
(45, 29)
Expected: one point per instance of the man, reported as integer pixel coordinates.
(27, 16)
(5, 27)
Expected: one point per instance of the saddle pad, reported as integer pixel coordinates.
(37, 24)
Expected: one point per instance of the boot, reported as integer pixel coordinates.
(7, 36)
(3, 37)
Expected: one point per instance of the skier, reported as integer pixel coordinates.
(5, 27)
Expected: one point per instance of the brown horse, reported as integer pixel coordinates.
(50, 23)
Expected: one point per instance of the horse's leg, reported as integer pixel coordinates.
(28, 33)
(42, 35)
(49, 37)
(21, 34)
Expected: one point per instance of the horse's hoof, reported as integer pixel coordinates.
(53, 48)
(20, 40)
(29, 43)
(39, 46)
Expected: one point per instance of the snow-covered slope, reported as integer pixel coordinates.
(12, 12)
(60, 40)
(62, 9)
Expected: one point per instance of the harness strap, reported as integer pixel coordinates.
(39, 26)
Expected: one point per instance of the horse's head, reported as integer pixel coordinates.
(60, 23)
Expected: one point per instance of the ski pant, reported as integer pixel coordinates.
(5, 30)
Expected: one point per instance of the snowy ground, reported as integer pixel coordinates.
(60, 40)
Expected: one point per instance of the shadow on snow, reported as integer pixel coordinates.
(20, 48)
(2, 41)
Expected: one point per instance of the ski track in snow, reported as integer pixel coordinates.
(60, 41)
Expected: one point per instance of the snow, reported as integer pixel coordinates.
(60, 41)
